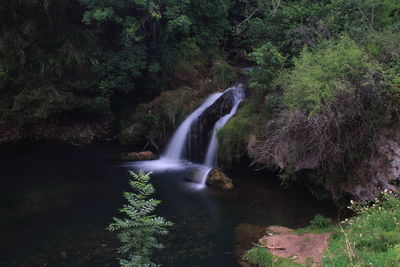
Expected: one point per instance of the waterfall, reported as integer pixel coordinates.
(177, 144)
(174, 157)
(212, 150)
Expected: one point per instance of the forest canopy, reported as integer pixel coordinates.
(91, 59)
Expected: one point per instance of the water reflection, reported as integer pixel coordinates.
(64, 197)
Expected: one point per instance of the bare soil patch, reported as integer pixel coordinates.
(301, 248)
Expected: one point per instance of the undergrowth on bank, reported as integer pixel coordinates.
(261, 257)
(370, 238)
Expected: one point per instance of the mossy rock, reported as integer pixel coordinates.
(217, 179)
(139, 156)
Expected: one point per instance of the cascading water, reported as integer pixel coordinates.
(211, 160)
(177, 144)
(173, 157)
(212, 150)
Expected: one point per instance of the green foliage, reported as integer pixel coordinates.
(45, 61)
(269, 61)
(149, 36)
(382, 46)
(233, 138)
(161, 116)
(372, 238)
(224, 75)
(333, 91)
(139, 229)
(320, 222)
(261, 257)
(320, 77)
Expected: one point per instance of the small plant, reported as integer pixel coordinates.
(138, 231)
(260, 256)
(320, 222)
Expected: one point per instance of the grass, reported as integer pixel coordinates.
(370, 238)
(261, 257)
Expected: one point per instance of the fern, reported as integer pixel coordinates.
(138, 231)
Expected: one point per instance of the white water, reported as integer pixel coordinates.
(212, 150)
(173, 156)
(177, 144)
(211, 160)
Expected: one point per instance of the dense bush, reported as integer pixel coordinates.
(321, 77)
(336, 97)
(46, 56)
(127, 53)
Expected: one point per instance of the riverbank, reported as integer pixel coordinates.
(370, 238)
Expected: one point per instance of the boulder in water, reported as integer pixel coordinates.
(139, 156)
(216, 178)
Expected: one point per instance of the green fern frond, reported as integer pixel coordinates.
(138, 232)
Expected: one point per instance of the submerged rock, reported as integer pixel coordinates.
(139, 156)
(216, 178)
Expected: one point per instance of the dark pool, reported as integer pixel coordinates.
(56, 200)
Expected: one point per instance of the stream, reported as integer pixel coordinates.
(56, 201)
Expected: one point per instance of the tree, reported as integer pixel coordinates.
(138, 231)
(46, 56)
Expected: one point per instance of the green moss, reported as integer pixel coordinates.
(160, 117)
(234, 136)
(223, 74)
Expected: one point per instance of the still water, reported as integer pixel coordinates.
(56, 200)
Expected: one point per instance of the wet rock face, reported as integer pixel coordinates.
(216, 178)
(380, 172)
(368, 179)
(202, 131)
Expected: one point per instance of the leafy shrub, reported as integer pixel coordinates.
(336, 98)
(320, 77)
(320, 222)
(259, 256)
(269, 60)
(383, 46)
(138, 231)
